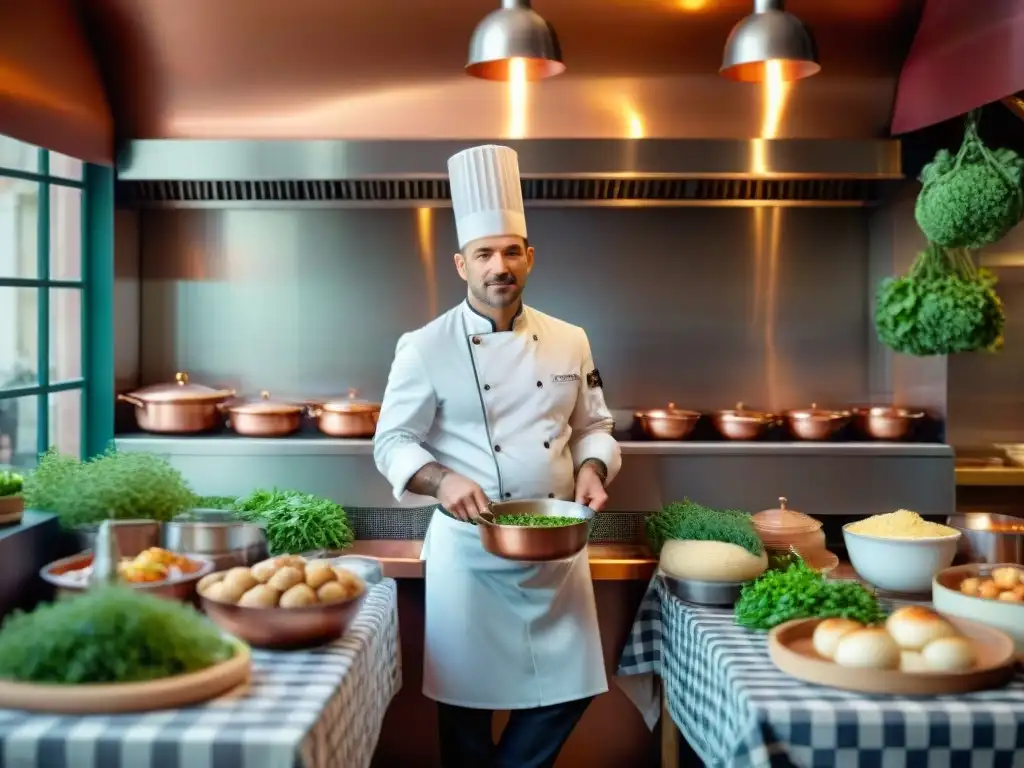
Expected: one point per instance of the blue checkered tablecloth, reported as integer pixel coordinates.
(735, 708)
(320, 708)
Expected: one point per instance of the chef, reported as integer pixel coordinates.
(493, 401)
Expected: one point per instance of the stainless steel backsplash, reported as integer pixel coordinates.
(700, 306)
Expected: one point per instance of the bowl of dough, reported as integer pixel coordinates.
(900, 551)
(988, 594)
(284, 602)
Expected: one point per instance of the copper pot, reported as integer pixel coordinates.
(348, 417)
(667, 423)
(534, 545)
(178, 408)
(741, 423)
(815, 423)
(884, 422)
(265, 417)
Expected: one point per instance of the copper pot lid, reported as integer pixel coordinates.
(742, 413)
(265, 405)
(889, 411)
(351, 403)
(182, 391)
(784, 519)
(671, 412)
(815, 413)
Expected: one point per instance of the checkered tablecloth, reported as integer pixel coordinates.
(320, 708)
(735, 708)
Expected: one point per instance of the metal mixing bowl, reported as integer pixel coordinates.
(217, 535)
(182, 588)
(983, 542)
(713, 593)
(529, 544)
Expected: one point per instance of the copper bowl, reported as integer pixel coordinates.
(181, 588)
(535, 545)
(884, 422)
(667, 423)
(741, 423)
(815, 423)
(287, 627)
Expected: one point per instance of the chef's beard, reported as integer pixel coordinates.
(494, 299)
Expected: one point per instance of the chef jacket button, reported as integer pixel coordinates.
(535, 337)
(547, 444)
(540, 383)
(487, 387)
(551, 495)
(508, 495)
(476, 339)
(497, 449)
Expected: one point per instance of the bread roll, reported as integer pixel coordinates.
(1006, 578)
(242, 578)
(869, 648)
(260, 596)
(262, 571)
(949, 654)
(298, 596)
(913, 627)
(286, 578)
(828, 634)
(208, 579)
(318, 573)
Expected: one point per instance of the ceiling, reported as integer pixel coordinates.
(393, 69)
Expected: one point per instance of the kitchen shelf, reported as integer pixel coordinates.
(305, 444)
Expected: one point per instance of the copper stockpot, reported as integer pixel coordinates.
(535, 545)
(178, 408)
(667, 423)
(348, 417)
(741, 423)
(884, 422)
(815, 423)
(264, 417)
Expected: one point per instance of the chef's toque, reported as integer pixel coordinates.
(486, 194)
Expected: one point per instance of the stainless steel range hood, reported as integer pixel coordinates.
(556, 172)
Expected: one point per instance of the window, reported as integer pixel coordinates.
(42, 303)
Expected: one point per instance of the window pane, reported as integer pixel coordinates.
(18, 418)
(18, 155)
(65, 167)
(19, 223)
(18, 339)
(66, 422)
(65, 334)
(65, 233)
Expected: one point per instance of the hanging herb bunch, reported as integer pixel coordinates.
(972, 199)
(944, 305)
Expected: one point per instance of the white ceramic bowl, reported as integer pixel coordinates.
(947, 598)
(899, 565)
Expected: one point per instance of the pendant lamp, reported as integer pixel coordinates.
(769, 34)
(514, 33)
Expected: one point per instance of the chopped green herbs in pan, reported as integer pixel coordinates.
(537, 521)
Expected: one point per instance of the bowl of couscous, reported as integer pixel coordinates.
(900, 551)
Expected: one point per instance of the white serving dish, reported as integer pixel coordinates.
(899, 565)
(1004, 616)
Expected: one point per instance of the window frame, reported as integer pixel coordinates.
(95, 284)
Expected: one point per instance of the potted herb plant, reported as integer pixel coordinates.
(12, 503)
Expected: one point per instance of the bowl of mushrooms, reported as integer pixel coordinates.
(284, 602)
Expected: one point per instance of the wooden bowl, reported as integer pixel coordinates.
(791, 649)
(181, 588)
(113, 698)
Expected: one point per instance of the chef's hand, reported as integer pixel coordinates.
(590, 488)
(463, 498)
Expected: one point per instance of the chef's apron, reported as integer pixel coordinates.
(503, 634)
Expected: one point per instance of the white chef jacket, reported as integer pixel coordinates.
(518, 412)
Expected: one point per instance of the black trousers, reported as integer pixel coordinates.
(532, 739)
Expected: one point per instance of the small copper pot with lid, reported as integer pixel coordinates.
(348, 417)
(884, 422)
(815, 423)
(742, 423)
(667, 423)
(264, 417)
(178, 408)
(786, 531)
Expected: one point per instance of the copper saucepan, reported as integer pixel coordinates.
(178, 408)
(815, 423)
(667, 423)
(884, 422)
(529, 544)
(742, 423)
(264, 417)
(348, 417)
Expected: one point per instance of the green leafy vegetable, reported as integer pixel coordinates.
(944, 305)
(109, 635)
(297, 522)
(11, 483)
(684, 520)
(537, 521)
(112, 486)
(972, 199)
(799, 592)
(225, 503)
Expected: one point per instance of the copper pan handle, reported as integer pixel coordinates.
(133, 400)
(487, 518)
